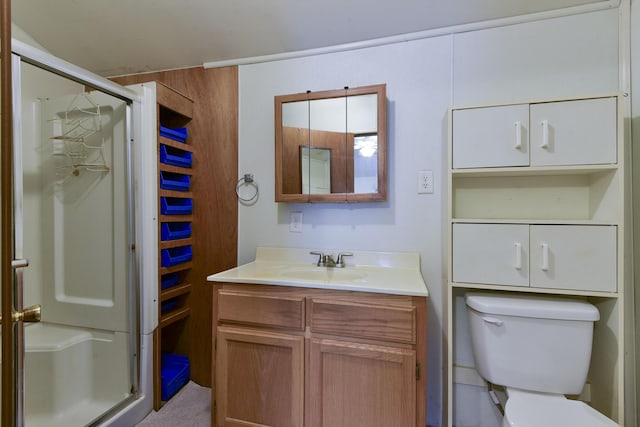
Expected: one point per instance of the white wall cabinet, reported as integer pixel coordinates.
(491, 254)
(574, 257)
(575, 132)
(542, 256)
(538, 203)
(491, 136)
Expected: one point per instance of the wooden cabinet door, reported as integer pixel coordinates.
(260, 378)
(491, 137)
(494, 254)
(574, 132)
(360, 385)
(574, 257)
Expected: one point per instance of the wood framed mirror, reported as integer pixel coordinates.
(331, 146)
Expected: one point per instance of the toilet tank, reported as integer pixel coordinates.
(535, 343)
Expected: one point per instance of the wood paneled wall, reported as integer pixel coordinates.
(214, 134)
(342, 152)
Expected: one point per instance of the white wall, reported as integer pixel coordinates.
(568, 56)
(418, 77)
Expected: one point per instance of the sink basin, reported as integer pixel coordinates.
(323, 274)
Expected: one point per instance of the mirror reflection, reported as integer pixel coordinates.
(330, 146)
(316, 170)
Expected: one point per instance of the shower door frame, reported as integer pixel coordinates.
(27, 54)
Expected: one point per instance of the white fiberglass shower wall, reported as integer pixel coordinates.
(74, 223)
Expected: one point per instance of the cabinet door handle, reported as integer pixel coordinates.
(518, 129)
(545, 257)
(518, 248)
(545, 134)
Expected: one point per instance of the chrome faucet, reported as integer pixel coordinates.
(340, 261)
(328, 261)
(322, 260)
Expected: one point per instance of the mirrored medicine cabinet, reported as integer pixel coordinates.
(331, 145)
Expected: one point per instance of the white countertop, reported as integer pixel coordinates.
(396, 273)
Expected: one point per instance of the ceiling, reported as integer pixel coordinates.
(115, 37)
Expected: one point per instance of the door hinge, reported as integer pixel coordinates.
(417, 370)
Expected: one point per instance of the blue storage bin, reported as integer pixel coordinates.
(175, 230)
(174, 181)
(168, 305)
(174, 373)
(177, 134)
(175, 157)
(176, 206)
(175, 256)
(169, 280)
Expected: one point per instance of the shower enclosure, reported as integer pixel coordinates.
(77, 248)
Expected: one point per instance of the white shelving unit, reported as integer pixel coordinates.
(538, 203)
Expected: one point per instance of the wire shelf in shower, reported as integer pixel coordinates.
(78, 137)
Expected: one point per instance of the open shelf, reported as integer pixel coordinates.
(174, 311)
(589, 196)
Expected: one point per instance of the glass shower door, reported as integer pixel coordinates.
(73, 223)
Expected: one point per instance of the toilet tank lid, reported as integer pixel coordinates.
(540, 307)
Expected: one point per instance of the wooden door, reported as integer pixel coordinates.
(360, 385)
(494, 254)
(260, 378)
(491, 136)
(574, 132)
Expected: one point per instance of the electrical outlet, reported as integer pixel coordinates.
(295, 222)
(425, 182)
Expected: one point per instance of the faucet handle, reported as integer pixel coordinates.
(340, 261)
(322, 258)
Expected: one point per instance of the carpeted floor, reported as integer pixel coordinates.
(190, 407)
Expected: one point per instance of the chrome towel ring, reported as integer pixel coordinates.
(247, 181)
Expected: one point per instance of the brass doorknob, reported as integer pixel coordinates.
(28, 315)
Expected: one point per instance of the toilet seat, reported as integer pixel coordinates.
(531, 409)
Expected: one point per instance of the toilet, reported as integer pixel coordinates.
(539, 349)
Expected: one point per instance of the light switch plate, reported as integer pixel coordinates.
(295, 222)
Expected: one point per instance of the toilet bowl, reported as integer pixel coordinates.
(532, 409)
(539, 349)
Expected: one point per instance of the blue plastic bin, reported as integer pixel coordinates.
(175, 256)
(175, 230)
(175, 157)
(169, 280)
(176, 206)
(174, 373)
(168, 305)
(174, 181)
(177, 134)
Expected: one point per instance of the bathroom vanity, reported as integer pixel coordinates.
(302, 345)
